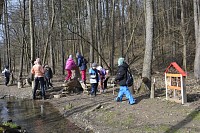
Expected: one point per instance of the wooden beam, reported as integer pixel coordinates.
(173, 75)
(174, 87)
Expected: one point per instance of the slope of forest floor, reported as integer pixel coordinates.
(102, 114)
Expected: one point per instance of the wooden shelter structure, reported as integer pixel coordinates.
(175, 83)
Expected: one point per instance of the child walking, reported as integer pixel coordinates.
(94, 79)
(6, 73)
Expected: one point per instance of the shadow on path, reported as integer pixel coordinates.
(182, 123)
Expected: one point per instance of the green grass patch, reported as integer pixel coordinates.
(195, 115)
(1, 130)
(10, 124)
(68, 106)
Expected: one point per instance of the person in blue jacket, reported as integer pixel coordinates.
(82, 64)
(121, 78)
(94, 79)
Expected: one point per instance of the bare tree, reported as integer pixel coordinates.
(90, 31)
(49, 32)
(61, 37)
(23, 15)
(147, 64)
(7, 34)
(32, 41)
(197, 37)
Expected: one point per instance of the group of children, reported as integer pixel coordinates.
(70, 65)
(98, 75)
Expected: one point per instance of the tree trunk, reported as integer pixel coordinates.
(7, 36)
(20, 80)
(197, 37)
(61, 39)
(113, 38)
(32, 43)
(147, 64)
(89, 26)
(49, 32)
(183, 36)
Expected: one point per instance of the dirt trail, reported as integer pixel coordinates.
(102, 114)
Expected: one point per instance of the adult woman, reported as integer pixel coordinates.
(38, 72)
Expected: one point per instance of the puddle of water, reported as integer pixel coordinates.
(36, 116)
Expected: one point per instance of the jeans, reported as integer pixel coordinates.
(37, 80)
(94, 89)
(124, 90)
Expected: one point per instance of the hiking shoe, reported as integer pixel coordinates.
(117, 99)
(132, 103)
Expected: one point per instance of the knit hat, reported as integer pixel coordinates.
(120, 61)
(99, 68)
(94, 64)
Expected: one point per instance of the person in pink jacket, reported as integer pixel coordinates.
(70, 64)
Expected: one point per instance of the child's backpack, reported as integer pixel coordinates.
(103, 72)
(129, 79)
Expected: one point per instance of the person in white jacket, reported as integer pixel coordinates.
(6, 73)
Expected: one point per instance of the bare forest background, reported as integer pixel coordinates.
(150, 34)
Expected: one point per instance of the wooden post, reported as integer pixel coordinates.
(183, 90)
(166, 86)
(153, 89)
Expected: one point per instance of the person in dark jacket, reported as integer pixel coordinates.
(121, 78)
(82, 64)
(6, 73)
(48, 76)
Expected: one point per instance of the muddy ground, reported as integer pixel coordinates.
(103, 115)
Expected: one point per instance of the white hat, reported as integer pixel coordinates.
(99, 68)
